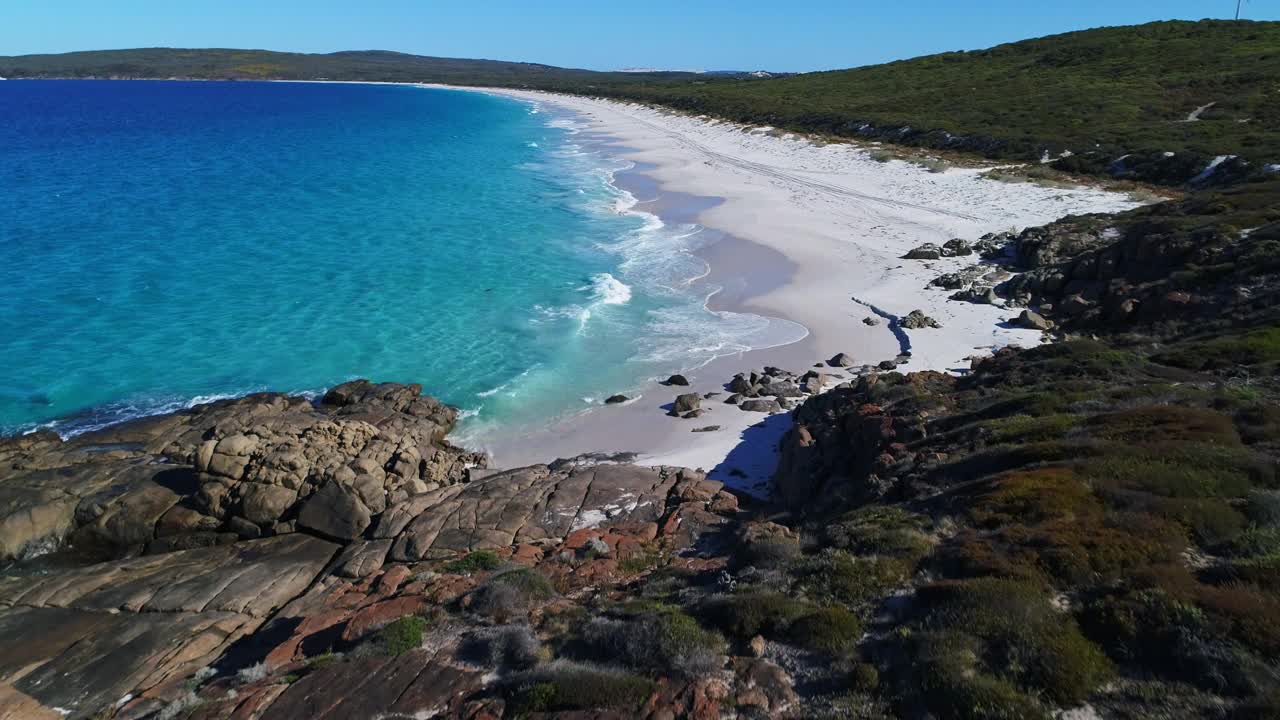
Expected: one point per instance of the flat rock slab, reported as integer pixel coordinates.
(79, 661)
(252, 578)
(526, 505)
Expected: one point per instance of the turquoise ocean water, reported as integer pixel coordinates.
(163, 243)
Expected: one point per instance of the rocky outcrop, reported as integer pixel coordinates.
(1156, 269)
(842, 444)
(252, 467)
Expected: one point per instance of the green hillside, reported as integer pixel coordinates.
(1100, 94)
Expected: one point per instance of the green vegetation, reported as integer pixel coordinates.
(399, 637)
(831, 630)
(658, 641)
(993, 648)
(477, 561)
(745, 615)
(512, 593)
(561, 686)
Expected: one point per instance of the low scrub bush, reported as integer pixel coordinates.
(474, 562)
(748, 614)
(1165, 424)
(506, 646)
(1030, 497)
(1258, 347)
(832, 630)
(1030, 428)
(1067, 550)
(512, 593)
(1003, 639)
(857, 581)
(567, 686)
(771, 553)
(1170, 636)
(881, 530)
(662, 642)
(398, 637)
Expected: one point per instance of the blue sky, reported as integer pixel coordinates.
(603, 34)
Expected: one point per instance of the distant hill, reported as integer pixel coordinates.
(1156, 102)
(230, 64)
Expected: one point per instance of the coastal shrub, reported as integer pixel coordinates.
(1009, 630)
(768, 553)
(1030, 497)
(1001, 458)
(565, 686)
(474, 562)
(648, 558)
(748, 614)
(399, 636)
(859, 581)
(1165, 424)
(864, 677)
(1029, 428)
(830, 630)
(505, 646)
(1065, 551)
(1258, 422)
(1261, 571)
(1263, 507)
(880, 530)
(1257, 347)
(663, 642)
(512, 593)
(1166, 635)
(1186, 471)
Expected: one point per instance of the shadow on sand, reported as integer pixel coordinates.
(750, 465)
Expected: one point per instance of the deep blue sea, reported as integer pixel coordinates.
(163, 243)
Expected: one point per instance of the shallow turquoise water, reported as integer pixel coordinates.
(164, 242)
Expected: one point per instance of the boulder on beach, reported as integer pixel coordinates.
(678, 380)
(872, 321)
(927, 251)
(740, 384)
(917, 320)
(615, 399)
(686, 403)
(706, 429)
(764, 405)
(956, 248)
(813, 381)
(1032, 321)
(841, 360)
(733, 399)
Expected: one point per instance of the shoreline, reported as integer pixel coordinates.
(810, 234)
(806, 233)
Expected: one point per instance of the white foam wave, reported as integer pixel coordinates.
(609, 290)
(115, 413)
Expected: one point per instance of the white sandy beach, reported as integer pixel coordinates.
(842, 220)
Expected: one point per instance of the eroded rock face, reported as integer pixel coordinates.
(253, 466)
